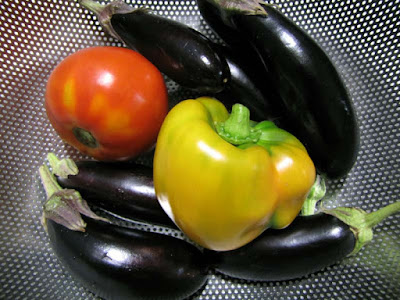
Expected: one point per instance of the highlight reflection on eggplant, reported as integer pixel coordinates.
(124, 189)
(309, 244)
(116, 262)
(177, 50)
(249, 85)
(123, 263)
(317, 105)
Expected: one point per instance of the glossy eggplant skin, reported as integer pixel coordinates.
(121, 263)
(307, 245)
(177, 50)
(317, 106)
(124, 189)
(248, 84)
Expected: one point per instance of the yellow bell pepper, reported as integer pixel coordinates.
(224, 179)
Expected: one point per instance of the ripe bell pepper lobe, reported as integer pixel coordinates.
(222, 179)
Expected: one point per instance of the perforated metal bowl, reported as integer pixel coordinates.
(361, 37)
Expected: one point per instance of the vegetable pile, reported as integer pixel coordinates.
(239, 177)
(117, 262)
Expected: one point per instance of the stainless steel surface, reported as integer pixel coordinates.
(362, 38)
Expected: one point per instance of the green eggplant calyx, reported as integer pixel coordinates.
(237, 129)
(62, 167)
(248, 7)
(105, 12)
(64, 206)
(361, 223)
(316, 193)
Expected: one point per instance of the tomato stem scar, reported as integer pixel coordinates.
(85, 137)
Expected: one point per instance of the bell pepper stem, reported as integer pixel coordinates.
(238, 123)
(361, 223)
(317, 192)
(237, 129)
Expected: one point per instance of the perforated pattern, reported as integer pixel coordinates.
(362, 38)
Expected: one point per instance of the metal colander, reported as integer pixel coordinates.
(361, 37)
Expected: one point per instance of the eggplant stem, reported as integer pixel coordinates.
(104, 13)
(361, 223)
(93, 6)
(374, 218)
(63, 206)
(316, 193)
(248, 7)
(54, 207)
(50, 184)
(62, 167)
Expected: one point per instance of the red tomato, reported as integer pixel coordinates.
(108, 102)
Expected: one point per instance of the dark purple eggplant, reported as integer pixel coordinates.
(248, 85)
(309, 244)
(124, 189)
(115, 262)
(318, 108)
(177, 50)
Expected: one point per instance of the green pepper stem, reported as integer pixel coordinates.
(237, 129)
(238, 123)
(361, 223)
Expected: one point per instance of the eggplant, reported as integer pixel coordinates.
(248, 85)
(317, 105)
(309, 244)
(123, 189)
(177, 50)
(116, 262)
